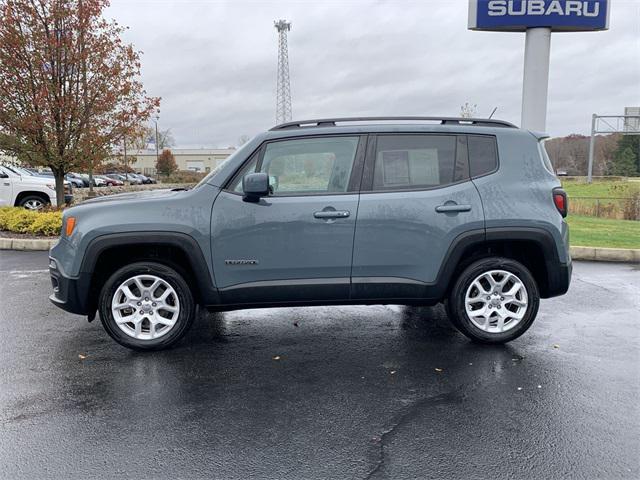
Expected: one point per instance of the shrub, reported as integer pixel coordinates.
(184, 177)
(47, 224)
(19, 220)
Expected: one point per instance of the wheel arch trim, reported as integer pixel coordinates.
(182, 241)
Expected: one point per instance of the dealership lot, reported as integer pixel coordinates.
(340, 392)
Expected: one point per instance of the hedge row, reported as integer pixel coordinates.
(20, 220)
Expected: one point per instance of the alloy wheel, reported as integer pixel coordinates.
(145, 307)
(34, 204)
(496, 301)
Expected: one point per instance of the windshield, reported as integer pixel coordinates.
(24, 172)
(17, 170)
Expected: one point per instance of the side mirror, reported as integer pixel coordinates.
(3, 175)
(254, 186)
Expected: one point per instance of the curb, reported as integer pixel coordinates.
(596, 254)
(37, 244)
(592, 254)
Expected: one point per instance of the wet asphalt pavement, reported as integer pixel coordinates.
(357, 392)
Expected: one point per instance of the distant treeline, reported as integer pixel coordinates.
(614, 154)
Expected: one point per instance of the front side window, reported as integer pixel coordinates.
(418, 161)
(305, 166)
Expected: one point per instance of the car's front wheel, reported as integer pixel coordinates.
(34, 202)
(494, 300)
(146, 306)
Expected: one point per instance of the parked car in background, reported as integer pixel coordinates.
(21, 188)
(110, 182)
(467, 212)
(76, 182)
(77, 176)
(146, 180)
(123, 178)
(97, 181)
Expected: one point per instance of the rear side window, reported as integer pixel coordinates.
(483, 155)
(418, 161)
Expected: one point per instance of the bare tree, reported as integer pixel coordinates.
(468, 111)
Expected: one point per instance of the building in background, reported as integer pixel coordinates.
(632, 125)
(200, 160)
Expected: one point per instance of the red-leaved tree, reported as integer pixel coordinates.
(70, 87)
(166, 163)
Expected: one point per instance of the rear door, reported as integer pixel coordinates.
(417, 199)
(296, 244)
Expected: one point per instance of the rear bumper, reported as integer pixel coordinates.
(559, 279)
(70, 294)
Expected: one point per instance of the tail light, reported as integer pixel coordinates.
(560, 201)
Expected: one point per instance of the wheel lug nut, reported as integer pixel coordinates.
(139, 303)
(146, 299)
(501, 298)
(153, 304)
(488, 298)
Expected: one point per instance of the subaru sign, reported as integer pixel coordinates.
(558, 15)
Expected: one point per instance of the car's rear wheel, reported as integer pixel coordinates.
(494, 300)
(33, 202)
(146, 306)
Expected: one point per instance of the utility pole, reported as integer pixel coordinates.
(126, 168)
(283, 84)
(157, 155)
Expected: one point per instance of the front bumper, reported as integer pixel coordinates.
(70, 294)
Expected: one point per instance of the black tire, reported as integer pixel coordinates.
(31, 199)
(456, 301)
(174, 279)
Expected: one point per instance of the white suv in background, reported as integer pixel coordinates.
(21, 188)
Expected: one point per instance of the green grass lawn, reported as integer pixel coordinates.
(605, 189)
(603, 232)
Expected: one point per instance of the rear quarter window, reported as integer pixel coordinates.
(483, 155)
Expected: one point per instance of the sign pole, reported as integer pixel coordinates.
(535, 82)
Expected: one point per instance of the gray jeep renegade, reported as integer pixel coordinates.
(398, 210)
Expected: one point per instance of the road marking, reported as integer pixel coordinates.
(26, 272)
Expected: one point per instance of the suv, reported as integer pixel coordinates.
(22, 188)
(402, 210)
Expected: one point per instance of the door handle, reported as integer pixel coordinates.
(453, 208)
(332, 214)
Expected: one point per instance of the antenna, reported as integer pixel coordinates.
(283, 85)
(492, 112)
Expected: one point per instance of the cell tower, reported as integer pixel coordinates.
(283, 85)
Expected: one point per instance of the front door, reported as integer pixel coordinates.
(416, 199)
(296, 244)
(5, 189)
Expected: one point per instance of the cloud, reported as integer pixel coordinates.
(214, 63)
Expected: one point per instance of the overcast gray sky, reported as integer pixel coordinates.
(214, 63)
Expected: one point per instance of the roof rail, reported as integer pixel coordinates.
(331, 122)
